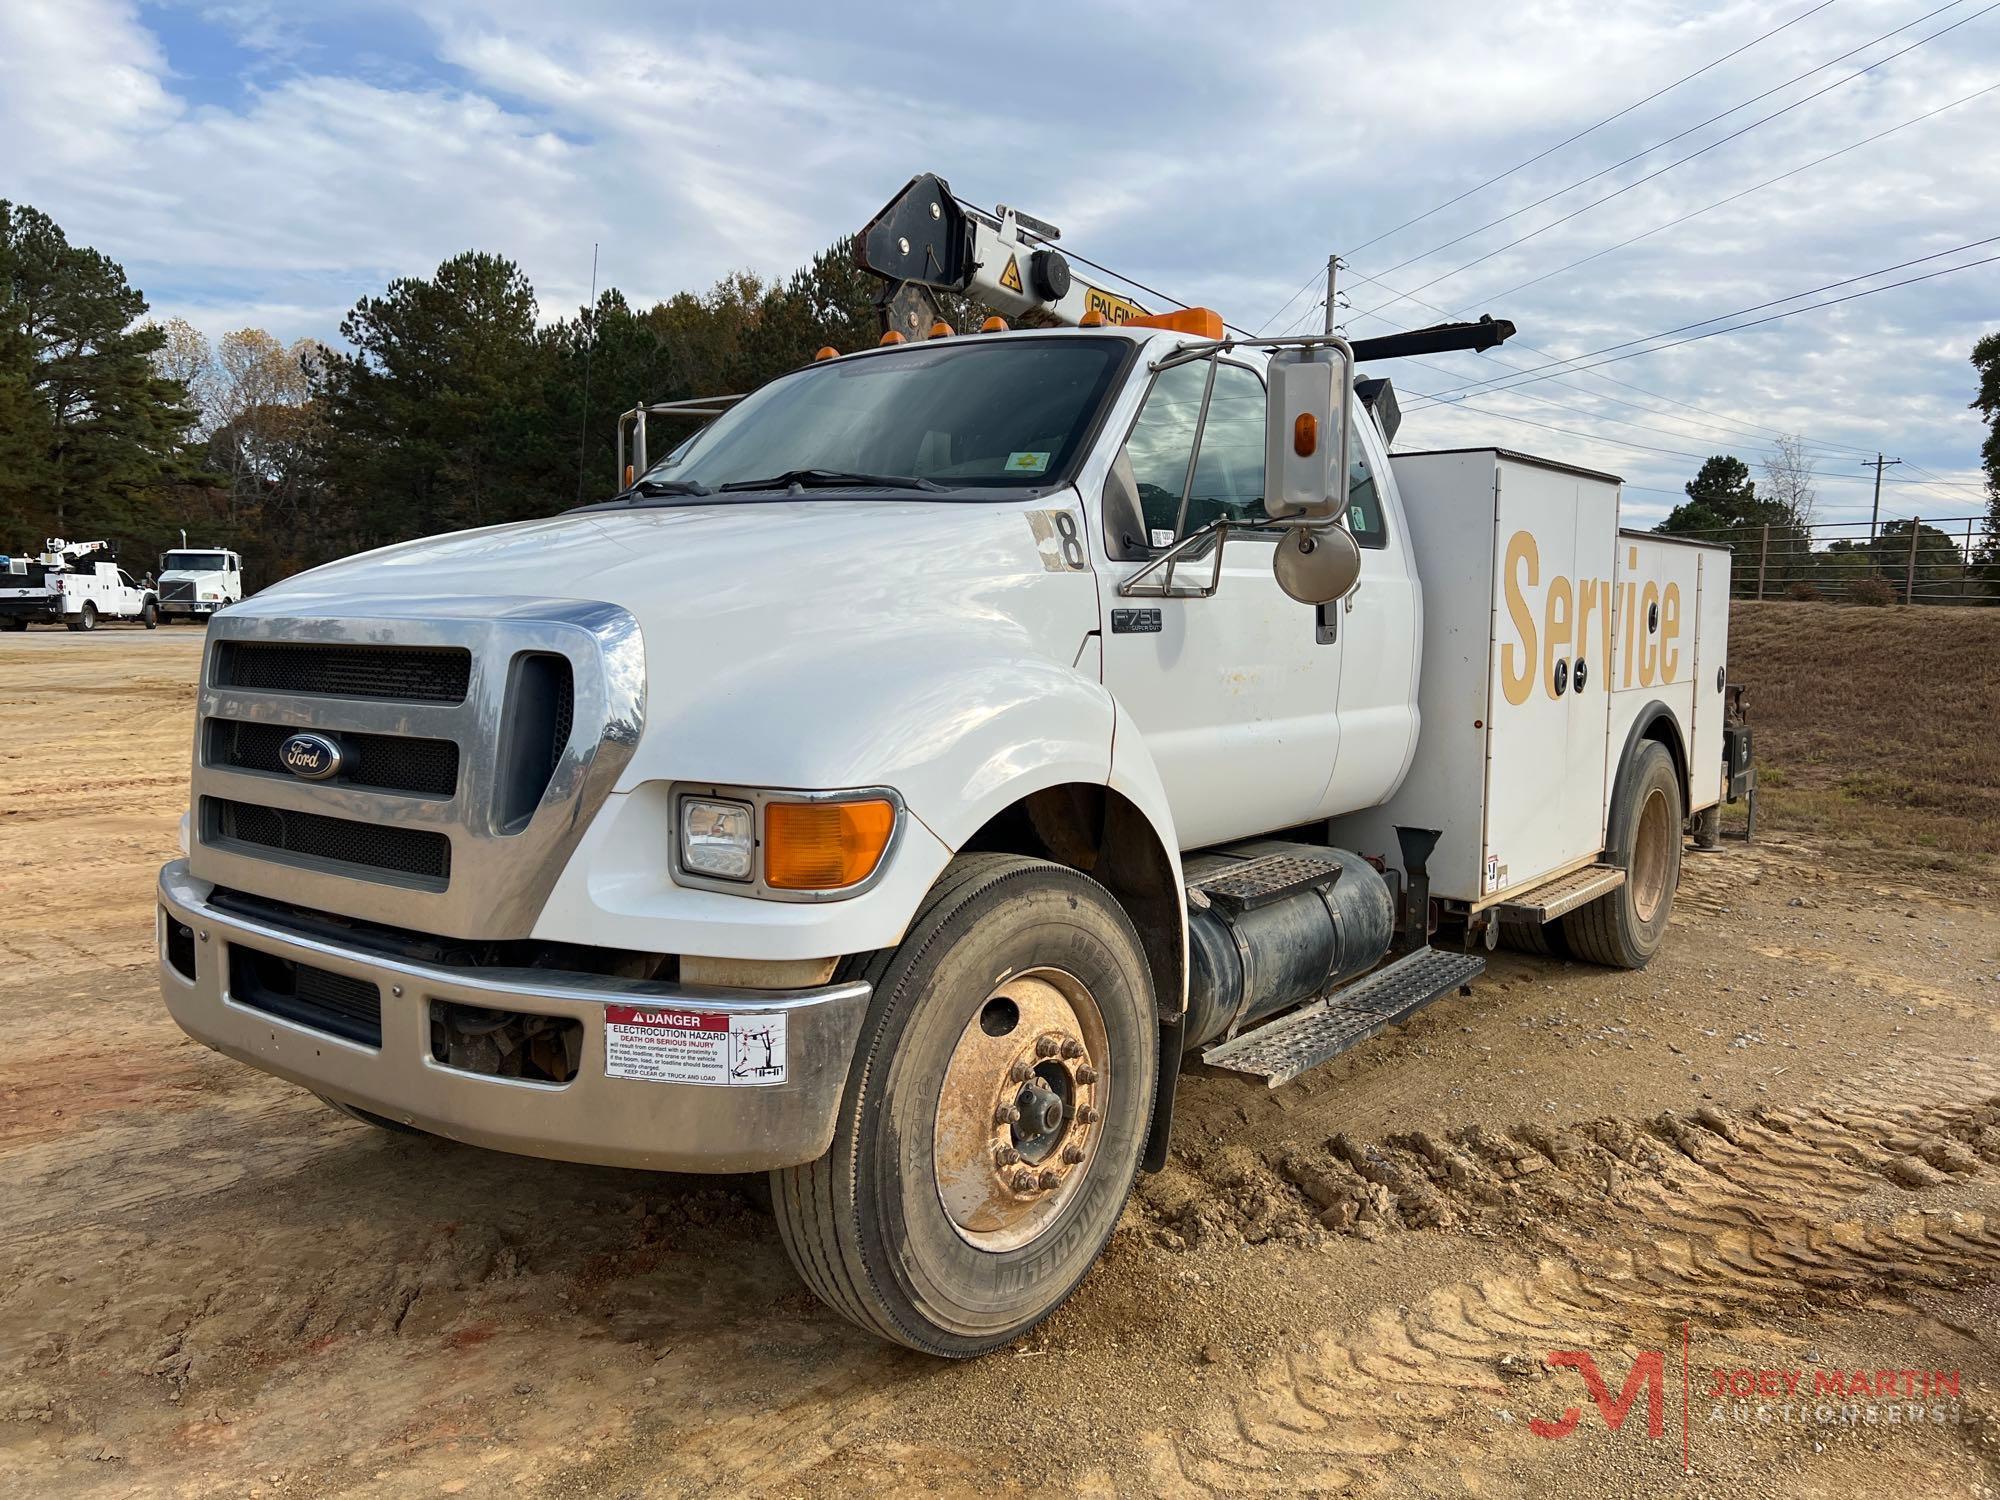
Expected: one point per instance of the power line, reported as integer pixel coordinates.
(1610, 379)
(1542, 372)
(1311, 282)
(1608, 119)
(1697, 213)
(1677, 162)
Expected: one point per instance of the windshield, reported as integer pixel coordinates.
(195, 562)
(953, 415)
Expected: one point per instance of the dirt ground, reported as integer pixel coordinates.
(1777, 1149)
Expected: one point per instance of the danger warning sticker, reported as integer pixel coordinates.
(1011, 277)
(694, 1046)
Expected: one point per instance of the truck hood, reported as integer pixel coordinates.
(781, 637)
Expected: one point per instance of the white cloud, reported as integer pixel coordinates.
(1217, 152)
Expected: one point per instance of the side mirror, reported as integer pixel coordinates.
(1317, 564)
(1305, 433)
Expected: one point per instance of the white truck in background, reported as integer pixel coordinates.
(890, 786)
(195, 582)
(74, 584)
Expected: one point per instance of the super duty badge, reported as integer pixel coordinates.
(1135, 622)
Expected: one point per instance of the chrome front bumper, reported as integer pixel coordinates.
(595, 1117)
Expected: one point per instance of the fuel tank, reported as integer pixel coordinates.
(1271, 924)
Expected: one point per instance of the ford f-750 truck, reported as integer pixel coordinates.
(896, 781)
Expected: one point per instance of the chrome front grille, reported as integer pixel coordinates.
(422, 674)
(476, 738)
(388, 762)
(178, 591)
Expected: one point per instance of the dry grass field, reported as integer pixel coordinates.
(1879, 727)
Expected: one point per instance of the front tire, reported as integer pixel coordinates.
(150, 615)
(1623, 930)
(935, 1220)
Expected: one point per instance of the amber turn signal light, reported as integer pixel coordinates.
(1305, 435)
(825, 846)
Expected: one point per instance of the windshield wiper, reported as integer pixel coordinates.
(807, 479)
(649, 489)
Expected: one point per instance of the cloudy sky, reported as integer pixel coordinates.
(259, 163)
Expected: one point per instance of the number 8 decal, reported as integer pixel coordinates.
(1072, 544)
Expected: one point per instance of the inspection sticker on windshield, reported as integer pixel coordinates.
(667, 1045)
(1027, 463)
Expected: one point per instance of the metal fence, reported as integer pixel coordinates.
(1915, 562)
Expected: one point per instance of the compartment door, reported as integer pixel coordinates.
(1545, 741)
(1711, 652)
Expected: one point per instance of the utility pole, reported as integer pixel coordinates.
(1332, 266)
(1875, 516)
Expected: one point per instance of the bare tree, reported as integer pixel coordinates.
(1789, 473)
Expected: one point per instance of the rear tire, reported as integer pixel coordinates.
(86, 618)
(12, 623)
(1624, 929)
(916, 1225)
(1543, 939)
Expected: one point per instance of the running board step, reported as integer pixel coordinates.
(1565, 893)
(1301, 1040)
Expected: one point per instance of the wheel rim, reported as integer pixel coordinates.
(1020, 1114)
(1652, 855)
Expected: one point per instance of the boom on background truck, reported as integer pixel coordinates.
(897, 780)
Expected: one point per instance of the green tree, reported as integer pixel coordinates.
(89, 429)
(1722, 497)
(1986, 360)
(433, 420)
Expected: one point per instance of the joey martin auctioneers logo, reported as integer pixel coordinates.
(1816, 1395)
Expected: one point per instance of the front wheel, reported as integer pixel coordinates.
(994, 1114)
(150, 615)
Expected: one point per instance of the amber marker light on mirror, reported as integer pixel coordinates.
(1305, 435)
(825, 846)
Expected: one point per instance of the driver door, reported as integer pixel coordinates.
(1236, 695)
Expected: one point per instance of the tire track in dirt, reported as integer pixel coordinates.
(1719, 1219)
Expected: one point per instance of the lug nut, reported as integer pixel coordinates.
(1086, 1074)
(1006, 1156)
(1047, 1046)
(1072, 1048)
(1049, 1180)
(1085, 1115)
(1006, 1114)
(1072, 1154)
(1024, 1181)
(1019, 1073)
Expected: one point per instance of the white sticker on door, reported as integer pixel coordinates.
(718, 1048)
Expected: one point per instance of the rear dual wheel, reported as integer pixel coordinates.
(994, 1114)
(1625, 928)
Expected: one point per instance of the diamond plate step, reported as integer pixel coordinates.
(1301, 1040)
(1565, 893)
(1265, 879)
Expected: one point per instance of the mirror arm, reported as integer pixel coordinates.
(1187, 480)
(1137, 586)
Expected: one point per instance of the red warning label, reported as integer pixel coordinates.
(715, 1048)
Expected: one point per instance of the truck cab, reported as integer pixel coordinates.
(195, 582)
(884, 790)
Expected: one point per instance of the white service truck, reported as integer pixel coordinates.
(74, 584)
(893, 784)
(195, 582)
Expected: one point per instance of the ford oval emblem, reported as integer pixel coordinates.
(310, 757)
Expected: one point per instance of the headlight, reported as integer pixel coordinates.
(718, 839)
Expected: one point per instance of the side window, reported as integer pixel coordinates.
(1229, 474)
(1364, 500)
